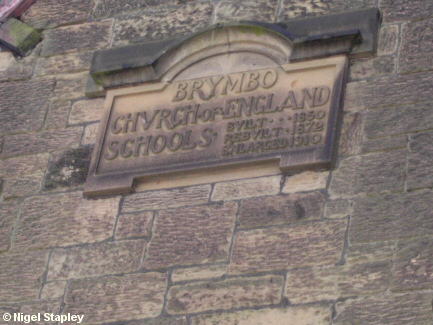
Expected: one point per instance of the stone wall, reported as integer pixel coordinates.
(349, 246)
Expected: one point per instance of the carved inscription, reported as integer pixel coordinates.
(211, 121)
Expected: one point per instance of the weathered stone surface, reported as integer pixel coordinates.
(134, 225)
(413, 265)
(399, 10)
(384, 144)
(85, 111)
(388, 40)
(207, 240)
(76, 38)
(23, 112)
(23, 165)
(67, 169)
(391, 310)
(399, 120)
(389, 91)
(307, 181)
(367, 68)
(370, 252)
(43, 306)
(8, 214)
(416, 46)
(54, 290)
(70, 86)
(351, 134)
(162, 23)
(392, 216)
(21, 275)
(299, 315)
(229, 10)
(338, 208)
(31, 143)
(12, 68)
(112, 7)
(242, 189)
(22, 185)
(277, 210)
(309, 244)
(63, 220)
(52, 13)
(331, 283)
(166, 199)
(162, 321)
(420, 170)
(90, 134)
(372, 173)
(307, 8)
(111, 299)
(95, 260)
(63, 63)
(227, 294)
(199, 273)
(57, 116)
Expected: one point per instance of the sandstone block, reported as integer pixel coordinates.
(300, 9)
(370, 252)
(306, 181)
(399, 120)
(384, 144)
(68, 63)
(331, 283)
(299, 315)
(111, 299)
(229, 10)
(77, 38)
(95, 260)
(309, 244)
(388, 40)
(85, 111)
(21, 275)
(391, 310)
(67, 169)
(162, 321)
(368, 68)
(112, 7)
(57, 116)
(199, 273)
(22, 185)
(63, 220)
(398, 10)
(416, 46)
(23, 165)
(392, 216)
(32, 143)
(242, 189)
(351, 134)
(134, 225)
(90, 134)
(12, 68)
(372, 173)
(48, 14)
(389, 91)
(413, 265)
(166, 199)
(54, 290)
(23, 104)
(338, 208)
(70, 86)
(8, 214)
(162, 23)
(43, 306)
(207, 239)
(419, 167)
(278, 210)
(227, 294)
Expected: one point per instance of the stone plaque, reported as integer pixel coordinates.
(287, 113)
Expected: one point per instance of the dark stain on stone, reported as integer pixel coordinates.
(299, 210)
(68, 169)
